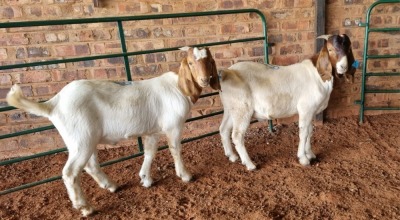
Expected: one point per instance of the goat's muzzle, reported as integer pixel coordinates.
(342, 65)
(204, 82)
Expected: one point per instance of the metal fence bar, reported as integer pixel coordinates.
(125, 54)
(79, 59)
(369, 30)
(20, 159)
(30, 131)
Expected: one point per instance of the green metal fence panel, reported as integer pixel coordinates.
(366, 57)
(125, 54)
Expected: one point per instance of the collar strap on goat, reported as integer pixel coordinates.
(220, 75)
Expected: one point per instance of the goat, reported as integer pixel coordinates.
(89, 112)
(250, 89)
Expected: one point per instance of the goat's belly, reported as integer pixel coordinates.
(274, 112)
(112, 136)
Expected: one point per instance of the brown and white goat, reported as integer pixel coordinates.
(250, 89)
(89, 112)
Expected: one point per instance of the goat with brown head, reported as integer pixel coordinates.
(197, 71)
(335, 58)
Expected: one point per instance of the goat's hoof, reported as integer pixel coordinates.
(304, 161)
(112, 188)
(186, 178)
(311, 156)
(86, 210)
(251, 166)
(233, 158)
(146, 182)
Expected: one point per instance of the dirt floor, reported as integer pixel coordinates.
(356, 176)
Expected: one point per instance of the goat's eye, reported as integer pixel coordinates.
(190, 63)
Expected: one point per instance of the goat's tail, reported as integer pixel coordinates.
(16, 98)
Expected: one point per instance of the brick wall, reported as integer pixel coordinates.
(348, 14)
(291, 26)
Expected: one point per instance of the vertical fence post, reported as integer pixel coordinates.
(124, 50)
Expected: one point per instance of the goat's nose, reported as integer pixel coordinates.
(205, 80)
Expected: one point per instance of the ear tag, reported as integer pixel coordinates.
(220, 75)
(355, 64)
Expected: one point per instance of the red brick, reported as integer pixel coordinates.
(35, 11)
(99, 48)
(100, 74)
(101, 35)
(288, 3)
(52, 11)
(34, 76)
(289, 25)
(86, 35)
(8, 149)
(38, 52)
(82, 50)
(234, 29)
(291, 49)
(228, 54)
(285, 60)
(3, 53)
(65, 50)
(183, 42)
(146, 70)
(10, 12)
(147, 45)
(16, 39)
(36, 38)
(5, 80)
(42, 90)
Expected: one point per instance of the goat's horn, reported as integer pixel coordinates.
(184, 48)
(326, 36)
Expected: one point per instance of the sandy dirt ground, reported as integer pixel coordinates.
(356, 176)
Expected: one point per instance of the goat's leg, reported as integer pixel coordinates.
(72, 175)
(150, 150)
(240, 125)
(93, 169)
(225, 131)
(175, 148)
(309, 153)
(304, 152)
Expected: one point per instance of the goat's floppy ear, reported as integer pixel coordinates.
(323, 65)
(352, 69)
(214, 81)
(186, 83)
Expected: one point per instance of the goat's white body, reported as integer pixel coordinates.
(89, 112)
(257, 90)
(109, 112)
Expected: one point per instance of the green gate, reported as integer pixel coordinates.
(125, 55)
(366, 57)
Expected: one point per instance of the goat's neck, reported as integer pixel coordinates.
(324, 76)
(189, 87)
(195, 94)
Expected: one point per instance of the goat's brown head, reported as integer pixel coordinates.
(197, 70)
(335, 57)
